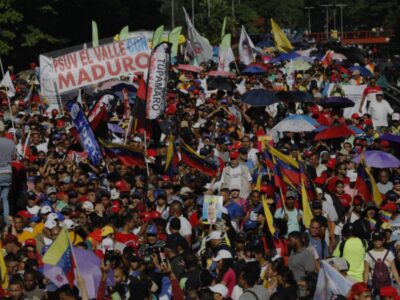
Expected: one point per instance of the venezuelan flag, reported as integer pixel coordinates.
(194, 160)
(172, 159)
(366, 184)
(60, 254)
(128, 155)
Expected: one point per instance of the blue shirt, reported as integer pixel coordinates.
(234, 210)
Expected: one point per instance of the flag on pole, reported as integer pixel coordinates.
(157, 36)
(201, 48)
(7, 83)
(3, 271)
(223, 29)
(173, 38)
(60, 254)
(268, 216)
(281, 41)
(225, 54)
(95, 35)
(246, 47)
(366, 185)
(327, 59)
(307, 213)
(124, 33)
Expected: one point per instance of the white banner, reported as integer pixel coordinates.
(89, 66)
(246, 47)
(354, 93)
(157, 81)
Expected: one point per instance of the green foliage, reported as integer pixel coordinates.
(9, 20)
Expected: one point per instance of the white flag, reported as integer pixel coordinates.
(202, 49)
(225, 54)
(246, 47)
(7, 83)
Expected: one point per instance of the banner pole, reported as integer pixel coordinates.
(145, 150)
(59, 101)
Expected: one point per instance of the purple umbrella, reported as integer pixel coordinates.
(391, 138)
(89, 268)
(379, 159)
(337, 102)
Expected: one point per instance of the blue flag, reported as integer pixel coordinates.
(86, 136)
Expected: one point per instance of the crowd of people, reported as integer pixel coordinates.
(146, 224)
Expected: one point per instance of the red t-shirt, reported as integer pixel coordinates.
(332, 182)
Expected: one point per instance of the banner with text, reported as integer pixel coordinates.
(157, 81)
(89, 66)
(354, 93)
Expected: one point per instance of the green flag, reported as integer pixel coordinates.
(223, 29)
(123, 35)
(157, 36)
(95, 35)
(173, 38)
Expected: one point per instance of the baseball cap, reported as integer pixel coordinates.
(50, 224)
(234, 155)
(291, 194)
(52, 216)
(379, 93)
(378, 236)
(222, 254)
(24, 214)
(395, 116)
(355, 116)
(69, 224)
(87, 205)
(137, 139)
(30, 242)
(219, 289)
(389, 291)
(116, 206)
(215, 235)
(107, 230)
(384, 144)
(45, 210)
(51, 190)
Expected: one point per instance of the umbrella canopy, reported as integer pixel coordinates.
(288, 56)
(391, 138)
(304, 58)
(220, 73)
(189, 68)
(295, 96)
(379, 159)
(259, 97)
(253, 70)
(334, 133)
(220, 83)
(296, 123)
(356, 129)
(363, 71)
(338, 56)
(337, 102)
(297, 65)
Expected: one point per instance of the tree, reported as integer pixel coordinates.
(9, 20)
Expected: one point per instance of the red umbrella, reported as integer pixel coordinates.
(190, 68)
(220, 73)
(334, 132)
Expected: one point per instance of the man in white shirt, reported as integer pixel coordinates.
(175, 210)
(379, 111)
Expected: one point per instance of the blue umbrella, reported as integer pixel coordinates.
(253, 70)
(356, 129)
(391, 138)
(288, 56)
(337, 102)
(259, 97)
(295, 96)
(363, 71)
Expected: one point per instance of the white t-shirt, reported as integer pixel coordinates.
(378, 255)
(186, 228)
(379, 112)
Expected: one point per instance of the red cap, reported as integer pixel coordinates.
(357, 289)
(83, 199)
(116, 207)
(384, 144)
(122, 186)
(314, 110)
(331, 163)
(389, 291)
(319, 180)
(389, 207)
(355, 116)
(54, 112)
(165, 178)
(267, 189)
(30, 242)
(21, 102)
(24, 214)
(234, 155)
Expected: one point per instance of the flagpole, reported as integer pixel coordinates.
(129, 129)
(9, 102)
(59, 101)
(26, 143)
(72, 252)
(145, 150)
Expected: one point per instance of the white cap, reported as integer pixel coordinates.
(137, 139)
(87, 205)
(50, 224)
(52, 216)
(196, 125)
(379, 93)
(215, 235)
(319, 191)
(34, 210)
(107, 244)
(395, 116)
(222, 254)
(69, 224)
(219, 289)
(114, 194)
(51, 190)
(45, 210)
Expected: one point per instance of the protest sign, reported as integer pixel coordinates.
(89, 66)
(212, 208)
(354, 93)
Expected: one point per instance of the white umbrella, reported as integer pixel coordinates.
(338, 56)
(294, 124)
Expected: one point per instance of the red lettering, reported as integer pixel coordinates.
(98, 72)
(88, 57)
(104, 54)
(97, 52)
(142, 61)
(64, 82)
(109, 51)
(82, 56)
(72, 59)
(56, 65)
(83, 76)
(122, 49)
(127, 63)
(117, 70)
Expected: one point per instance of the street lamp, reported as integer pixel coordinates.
(309, 8)
(341, 18)
(327, 18)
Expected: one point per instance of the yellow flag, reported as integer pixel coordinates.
(283, 157)
(376, 194)
(268, 216)
(281, 41)
(307, 214)
(3, 271)
(257, 187)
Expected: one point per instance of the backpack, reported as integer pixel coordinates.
(381, 275)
